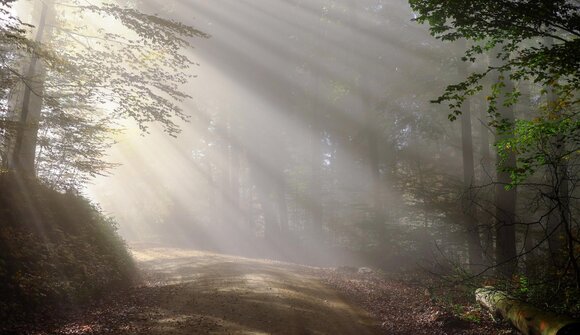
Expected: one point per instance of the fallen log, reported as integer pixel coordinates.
(527, 319)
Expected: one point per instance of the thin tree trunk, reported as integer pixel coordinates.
(271, 230)
(282, 207)
(234, 162)
(561, 237)
(376, 180)
(315, 202)
(505, 199)
(315, 193)
(557, 178)
(486, 176)
(224, 172)
(265, 187)
(473, 238)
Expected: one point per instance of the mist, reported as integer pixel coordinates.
(368, 160)
(305, 128)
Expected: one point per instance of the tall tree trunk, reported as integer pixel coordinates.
(315, 193)
(558, 227)
(486, 176)
(234, 191)
(505, 200)
(473, 237)
(224, 187)
(316, 113)
(212, 196)
(271, 227)
(264, 180)
(282, 207)
(23, 151)
(378, 209)
(247, 194)
(525, 111)
(371, 130)
(557, 178)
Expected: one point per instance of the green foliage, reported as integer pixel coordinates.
(456, 300)
(141, 70)
(524, 285)
(535, 43)
(545, 289)
(532, 40)
(102, 62)
(72, 148)
(12, 37)
(55, 248)
(538, 143)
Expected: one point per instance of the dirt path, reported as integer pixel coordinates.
(189, 292)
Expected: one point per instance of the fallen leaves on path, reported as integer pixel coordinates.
(404, 309)
(187, 292)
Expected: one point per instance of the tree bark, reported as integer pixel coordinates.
(486, 176)
(315, 193)
(505, 199)
(23, 151)
(526, 318)
(473, 237)
(282, 207)
(316, 113)
(557, 178)
(378, 209)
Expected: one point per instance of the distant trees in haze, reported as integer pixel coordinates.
(334, 143)
(351, 154)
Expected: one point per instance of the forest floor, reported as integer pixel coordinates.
(192, 292)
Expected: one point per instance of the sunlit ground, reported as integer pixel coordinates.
(192, 292)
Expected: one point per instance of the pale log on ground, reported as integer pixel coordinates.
(526, 318)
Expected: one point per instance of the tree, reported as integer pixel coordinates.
(535, 41)
(136, 68)
(473, 238)
(505, 196)
(517, 30)
(13, 38)
(23, 150)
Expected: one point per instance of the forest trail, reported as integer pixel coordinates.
(191, 292)
(203, 293)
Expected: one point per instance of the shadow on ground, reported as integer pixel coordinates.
(190, 292)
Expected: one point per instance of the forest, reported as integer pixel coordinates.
(290, 167)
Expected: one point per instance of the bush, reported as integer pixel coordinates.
(55, 249)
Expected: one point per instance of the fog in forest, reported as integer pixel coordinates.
(289, 167)
(311, 139)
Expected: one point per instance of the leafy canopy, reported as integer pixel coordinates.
(531, 41)
(102, 62)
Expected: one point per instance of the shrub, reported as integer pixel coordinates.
(55, 249)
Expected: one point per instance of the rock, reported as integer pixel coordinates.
(364, 270)
(346, 269)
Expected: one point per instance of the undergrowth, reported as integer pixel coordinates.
(56, 249)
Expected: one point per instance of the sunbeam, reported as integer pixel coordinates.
(289, 167)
